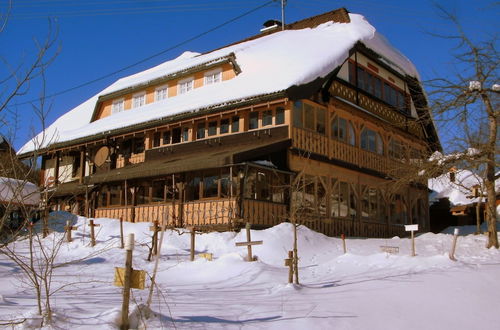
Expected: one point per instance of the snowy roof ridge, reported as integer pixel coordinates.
(261, 74)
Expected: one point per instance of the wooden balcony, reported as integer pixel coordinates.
(336, 150)
(378, 108)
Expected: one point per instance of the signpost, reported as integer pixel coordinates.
(412, 229)
(249, 242)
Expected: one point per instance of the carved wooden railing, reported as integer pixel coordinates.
(377, 108)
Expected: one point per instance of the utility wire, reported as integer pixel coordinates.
(150, 57)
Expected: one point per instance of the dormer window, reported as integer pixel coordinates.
(161, 93)
(213, 77)
(186, 85)
(138, 100)
(118, 106)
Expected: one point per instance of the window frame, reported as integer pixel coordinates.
(188, 83)
(211, 74)
(114, 105)
(141, 96)
(157, 94)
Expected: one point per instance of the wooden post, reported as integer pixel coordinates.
(92, 233)
(343, 243)
(249, 239)
(192, 243)
(454, 245)
(129, 247)
(68, 229)
(295, 255)
(249, 242)
(289, 263)
(121, 233)
(45, 224)
(154, 240)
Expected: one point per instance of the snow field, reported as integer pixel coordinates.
(363, 289)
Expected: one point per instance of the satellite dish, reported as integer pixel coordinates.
(101, 155)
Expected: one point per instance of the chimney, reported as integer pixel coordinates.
(270, 25)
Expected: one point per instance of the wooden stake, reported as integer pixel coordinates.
(68, 229)
(413, 244)
(92, 234)
(192, 244)
(129, 247)
(289, 263)
(343, 243)
(121, 233)
(154, 240)
(454, 245)
(295, 255)
(249, 239)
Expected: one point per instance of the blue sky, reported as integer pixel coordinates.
(98, 37)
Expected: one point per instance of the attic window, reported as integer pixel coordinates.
(118, 106)
(139, 100)
(161, 93)
(186, 85)
(213, 77)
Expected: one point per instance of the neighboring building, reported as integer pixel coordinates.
(311, 121)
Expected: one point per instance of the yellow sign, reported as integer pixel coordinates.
(208, 256)
(137, 280)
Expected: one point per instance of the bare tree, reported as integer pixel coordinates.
(465, 104)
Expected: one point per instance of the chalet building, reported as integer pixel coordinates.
(310, 123)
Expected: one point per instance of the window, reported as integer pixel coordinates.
(138, 100)
(267, 118)
(320, 120)
(342, 130)
(373, 85)
(371, 141)
(161, 93)
(280, 116)
(200, 131)
(166, 137)
(213, 77)
(142, 194)
(156, 139)
(396, 149)
(114, 195)
(176, 135)
(212, 128)
(254, 120)
(309, 116)
(117, 106)
(185, 134)
(186, 85)
(224, 126)
(235, 124)
(158, 191)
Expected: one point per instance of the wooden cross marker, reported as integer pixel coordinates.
(249, 242)
(92, 233)
(68, 228)
(289, 263)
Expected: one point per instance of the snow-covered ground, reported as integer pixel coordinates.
(363, 289)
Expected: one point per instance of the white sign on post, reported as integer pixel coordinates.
(411, 227)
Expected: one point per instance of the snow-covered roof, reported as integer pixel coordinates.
(18, 192)
(458, 190)
(270, 64)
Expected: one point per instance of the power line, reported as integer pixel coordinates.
(150, 57)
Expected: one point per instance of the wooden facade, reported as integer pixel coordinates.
(324, 154)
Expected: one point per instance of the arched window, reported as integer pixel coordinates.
(342, 130)
(371, 141)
